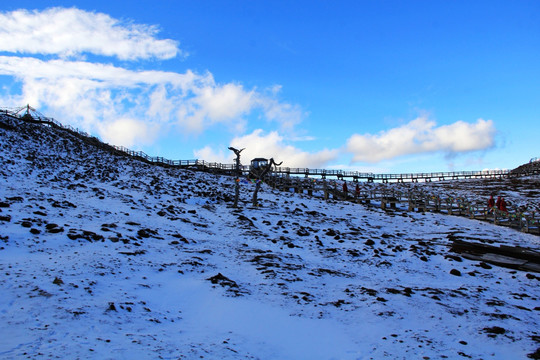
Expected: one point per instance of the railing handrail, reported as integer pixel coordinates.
(283, 170)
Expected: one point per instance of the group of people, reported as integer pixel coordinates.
(500, 204)
(346, 190)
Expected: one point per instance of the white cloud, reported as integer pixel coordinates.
(302, 138)
(422, 136)
(212, 155)
(68, 32)
(259, 144)
(93, 96)
(94, 92)
(108, 75)
(214, 103)
(128, 132)
(88, 94)
(161, 105)
(224, 102)
(375, 169)
(287, 115)
(229, 104)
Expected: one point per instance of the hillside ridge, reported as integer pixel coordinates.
(33, 116)
(104, 256)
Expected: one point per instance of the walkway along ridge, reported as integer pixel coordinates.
(33, 116)
(285, 178)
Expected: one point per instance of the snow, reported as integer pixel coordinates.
(104, 257)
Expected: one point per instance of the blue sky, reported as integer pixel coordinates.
(382, 86)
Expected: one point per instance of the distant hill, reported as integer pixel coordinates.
(530, 168)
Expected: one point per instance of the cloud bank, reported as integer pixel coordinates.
(68, 32)
(271, 144)
(422, 136)
(119, 103)
(46, 53)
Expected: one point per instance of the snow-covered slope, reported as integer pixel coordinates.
(105, 257)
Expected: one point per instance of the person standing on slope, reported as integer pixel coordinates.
(502, 205)
(491, 203)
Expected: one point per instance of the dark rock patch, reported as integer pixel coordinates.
(323, 271)
(353, 252)
(26, 224)
(133, 253)
(331, 232)
(180, 238)
(455, 272)
(370, 292)
(146, 233)
(534, 355)
(225, 282)
(483, 265)
(54, 228)
(339, 302)
(84, 234)
(62, 204)
(222, 280)
(453, 257)
(494, 331)
(246, 220)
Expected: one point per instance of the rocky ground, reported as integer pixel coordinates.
(103, 257)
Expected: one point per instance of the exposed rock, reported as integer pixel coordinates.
(84, 234)
(54, 228)
(495, 330)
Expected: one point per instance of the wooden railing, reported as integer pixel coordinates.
(355, 175)
(520, 218)
(36, 117)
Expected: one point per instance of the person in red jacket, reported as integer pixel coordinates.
(498, 203)
(345, 189)
(502, 205)
(491, 203)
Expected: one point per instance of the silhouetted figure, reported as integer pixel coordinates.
(261, 178)
(238, 174)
